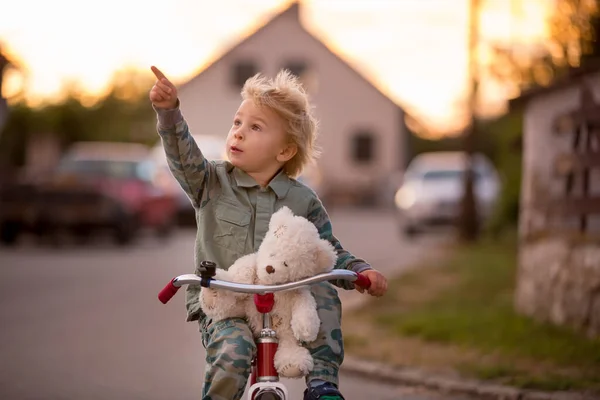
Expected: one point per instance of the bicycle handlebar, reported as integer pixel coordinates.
(192, 279)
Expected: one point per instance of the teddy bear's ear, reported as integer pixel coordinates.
(326, 255)
(280, 217)
(283, 212)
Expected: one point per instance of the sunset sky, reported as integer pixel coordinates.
(414, 50)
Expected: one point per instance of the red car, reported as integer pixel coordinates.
(108, 186)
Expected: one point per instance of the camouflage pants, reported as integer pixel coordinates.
(230, 347)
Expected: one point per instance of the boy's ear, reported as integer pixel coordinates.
(287, 153)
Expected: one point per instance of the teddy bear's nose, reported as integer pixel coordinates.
(270, 269)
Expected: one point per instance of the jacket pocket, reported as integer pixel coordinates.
(232, 224)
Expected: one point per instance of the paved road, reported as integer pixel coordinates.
(83, 322)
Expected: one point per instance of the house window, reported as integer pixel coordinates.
(306, 75)
(296, 67)
(243, 70)
(363, 147)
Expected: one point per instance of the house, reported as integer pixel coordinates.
(363, 137)
(559, 225)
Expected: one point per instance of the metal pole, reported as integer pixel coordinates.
(3, 105)
(469, 224)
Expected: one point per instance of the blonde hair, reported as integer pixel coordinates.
(286, 96)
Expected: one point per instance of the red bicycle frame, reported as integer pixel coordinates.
(264, 379)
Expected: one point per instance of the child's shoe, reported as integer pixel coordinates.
(323, 391)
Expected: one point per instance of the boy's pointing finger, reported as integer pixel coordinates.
(159, 75)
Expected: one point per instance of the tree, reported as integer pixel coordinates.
(591, 47)
(574, 33)
(574, 41)
(469, 226)
(4, 63)
(122, 115)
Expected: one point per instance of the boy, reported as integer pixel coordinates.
(271, 139)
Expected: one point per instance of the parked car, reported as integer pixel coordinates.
(95, 186)
(433, 186)
(212, 147)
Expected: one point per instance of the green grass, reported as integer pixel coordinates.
(521, 378)
(476, 312)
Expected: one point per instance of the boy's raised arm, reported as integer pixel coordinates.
(184, 157)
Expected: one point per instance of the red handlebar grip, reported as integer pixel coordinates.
(168, 291)
(362, 281)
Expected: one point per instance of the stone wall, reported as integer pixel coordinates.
(559, 265)
(559, 282)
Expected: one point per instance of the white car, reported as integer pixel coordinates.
(432, 190)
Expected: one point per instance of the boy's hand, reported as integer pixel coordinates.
(163, 94)
(378, 283)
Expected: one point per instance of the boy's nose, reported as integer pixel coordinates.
(270, 269)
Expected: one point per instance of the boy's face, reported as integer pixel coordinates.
(257, 141)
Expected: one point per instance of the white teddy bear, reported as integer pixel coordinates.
(220, 304)
(291, 250)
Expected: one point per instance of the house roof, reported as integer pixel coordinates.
(294, 10)
(575, 76)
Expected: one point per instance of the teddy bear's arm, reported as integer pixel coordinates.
(305, 321)
(221, 303)
(243, 270)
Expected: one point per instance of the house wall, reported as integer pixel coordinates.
(345, 103)
(559, 273)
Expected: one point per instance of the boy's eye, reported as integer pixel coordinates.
(237, 122)
(256, 127)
